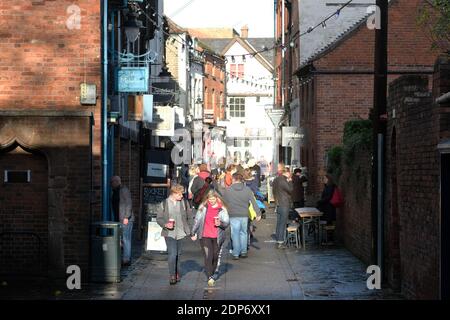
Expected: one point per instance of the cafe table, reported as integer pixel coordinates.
(309, 215)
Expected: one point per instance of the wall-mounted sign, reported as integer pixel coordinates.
(132, 79)
(291, 136)
(88, 93)
(165, 121)
(157, 170)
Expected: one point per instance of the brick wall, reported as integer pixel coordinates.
(340, 97)
(417, 166)
(24, 209)
(214, 80)
(172, 56)
(353, 221)
(59, 212)
(42, 64)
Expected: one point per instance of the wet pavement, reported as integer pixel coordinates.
(314, 273)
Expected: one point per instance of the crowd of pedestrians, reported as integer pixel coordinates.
(221, 203)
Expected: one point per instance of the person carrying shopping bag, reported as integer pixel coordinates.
(173, 219)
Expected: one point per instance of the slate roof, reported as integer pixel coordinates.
(219, 44)
(319, 41)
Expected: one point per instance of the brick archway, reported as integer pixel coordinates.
(24, 212)
(63, 140)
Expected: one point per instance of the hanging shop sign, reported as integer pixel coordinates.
(132, 79)
(291, 136)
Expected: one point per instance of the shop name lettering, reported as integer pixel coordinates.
(293, 136)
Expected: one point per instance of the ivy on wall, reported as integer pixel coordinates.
(357, 137)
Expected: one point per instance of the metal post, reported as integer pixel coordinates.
(104, 122)
(379, 133)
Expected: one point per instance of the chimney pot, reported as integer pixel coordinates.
(244, 31)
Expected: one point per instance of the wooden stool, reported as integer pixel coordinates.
(292, 236)
(326, 229)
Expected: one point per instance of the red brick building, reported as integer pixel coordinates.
(214, 92)
(50, 142)
(337, 80)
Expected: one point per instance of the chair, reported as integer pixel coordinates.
(293, 236)
(325, 229)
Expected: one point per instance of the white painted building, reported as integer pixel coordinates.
(249, 94)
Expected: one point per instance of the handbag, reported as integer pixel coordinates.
(337, 200)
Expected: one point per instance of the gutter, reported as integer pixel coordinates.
(104, 115)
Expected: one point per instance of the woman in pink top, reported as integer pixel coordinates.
(211, 221)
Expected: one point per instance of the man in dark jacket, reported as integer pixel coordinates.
(298, 194)
(238, 198)
(122, 207)
(282, 192)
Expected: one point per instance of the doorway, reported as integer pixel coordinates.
(23, 212)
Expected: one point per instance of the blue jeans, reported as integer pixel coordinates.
(126, 240)
(282, 219)
(239, 229)
(173, 252)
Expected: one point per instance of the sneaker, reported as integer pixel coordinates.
(211, 282)
(235, 258)
(282, 246)
(244, 255)
(173, 280)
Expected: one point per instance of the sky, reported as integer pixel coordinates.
(257, 14)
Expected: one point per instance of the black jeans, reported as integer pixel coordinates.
(211, 254)
(174, 252)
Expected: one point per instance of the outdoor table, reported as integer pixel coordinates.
(313, 215)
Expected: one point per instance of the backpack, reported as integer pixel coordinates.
(337, 200)
(199, 195)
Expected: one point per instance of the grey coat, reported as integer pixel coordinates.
(200, 222)
(238, 198)
(125, 204)
(282, 191)
(162, 217)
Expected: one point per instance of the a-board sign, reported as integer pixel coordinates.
(155, 194)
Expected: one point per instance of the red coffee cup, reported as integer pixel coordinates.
(171, 223)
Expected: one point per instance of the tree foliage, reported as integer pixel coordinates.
(434, 15)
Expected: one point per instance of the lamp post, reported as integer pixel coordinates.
(132, 27)
(198, 130)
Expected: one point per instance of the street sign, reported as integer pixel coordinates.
(275, 116)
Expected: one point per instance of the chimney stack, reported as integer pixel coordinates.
(244, 31)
